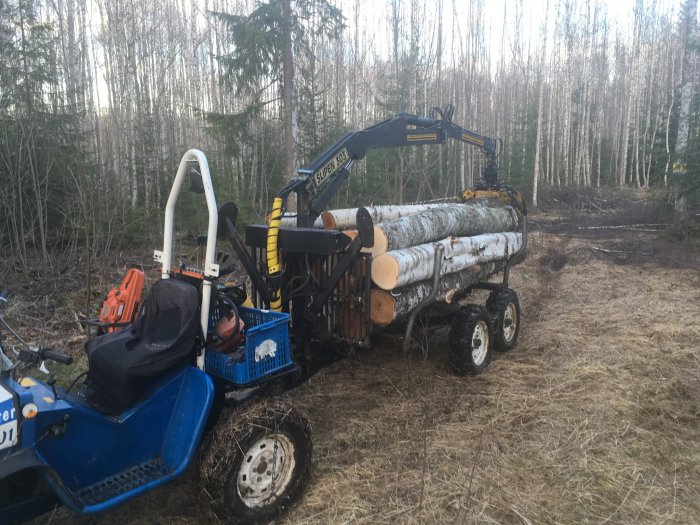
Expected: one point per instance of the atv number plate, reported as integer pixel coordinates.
(8, 419)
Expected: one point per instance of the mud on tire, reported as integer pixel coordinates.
(257, 462)
(504, 307)
(470, 340)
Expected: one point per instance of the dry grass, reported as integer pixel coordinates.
(593, 418)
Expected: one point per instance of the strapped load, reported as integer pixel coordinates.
(123, 364)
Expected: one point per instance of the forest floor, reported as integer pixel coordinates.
(592, 418)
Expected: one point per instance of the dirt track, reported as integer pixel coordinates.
(593, 418)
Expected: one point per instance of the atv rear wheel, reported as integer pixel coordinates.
(504, 307)
(257, 463)
(470, 340)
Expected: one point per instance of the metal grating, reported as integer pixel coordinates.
(346, 315)
(123, 482)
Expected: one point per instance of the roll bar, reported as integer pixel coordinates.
(211, 269)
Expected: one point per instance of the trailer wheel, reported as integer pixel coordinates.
(504, 308)
(257, 462)
(470, 340)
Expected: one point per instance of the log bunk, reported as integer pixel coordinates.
(477, 238)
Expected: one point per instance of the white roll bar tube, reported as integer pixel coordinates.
(211, 269)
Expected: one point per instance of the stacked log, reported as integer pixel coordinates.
(477, 242)
(459, 220)
(478, 239)
(290, 221)
(401, 267)
(345, 219)
(387, 306)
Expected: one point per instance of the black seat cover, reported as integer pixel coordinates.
(122, 364)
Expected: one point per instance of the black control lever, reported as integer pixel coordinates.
(29, 355)
(365, 228)
(52, 383)
(228, 213)
(53, 355)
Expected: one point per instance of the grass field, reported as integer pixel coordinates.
(593, 418)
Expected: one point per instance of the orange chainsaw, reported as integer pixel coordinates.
(121, 307)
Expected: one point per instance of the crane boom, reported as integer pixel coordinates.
(317, 183)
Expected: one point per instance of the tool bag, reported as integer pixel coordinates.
(123, 364)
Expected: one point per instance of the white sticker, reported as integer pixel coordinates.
(267, 348)
(8, 420)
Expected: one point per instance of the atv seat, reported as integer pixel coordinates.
(123, 364)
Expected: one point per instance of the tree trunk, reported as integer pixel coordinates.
(687, 87)
(538, 140)
(401, 267)
(386, 307)
(688, 73)
(460, 220)
(290, 221)
(344, 219)
(290, 125)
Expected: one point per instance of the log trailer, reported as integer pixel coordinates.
(326, 282)
(158, 390)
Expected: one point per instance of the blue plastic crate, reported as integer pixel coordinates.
(265, 332)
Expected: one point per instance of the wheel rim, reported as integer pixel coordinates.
(510, 322)
(480, 343)
(266, 470)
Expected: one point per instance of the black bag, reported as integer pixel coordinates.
(123, 364)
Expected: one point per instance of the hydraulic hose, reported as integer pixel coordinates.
(273, 264)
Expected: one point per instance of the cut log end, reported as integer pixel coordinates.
(381, 242)
(382, 307)
(328, 220)
(387, 306)
(385, 271)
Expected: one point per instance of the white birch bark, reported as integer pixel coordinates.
(540, 110)
(344, 219)
(459, 220)
(290, 221)
(386, 306)
(688, 74)
(401, 267)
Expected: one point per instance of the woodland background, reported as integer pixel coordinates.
(99, 99)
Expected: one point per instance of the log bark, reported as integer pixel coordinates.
(290, 221)
(401, 267)
(460, 220)
(388, 306)
(345, 218)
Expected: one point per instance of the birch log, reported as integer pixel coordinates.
(459, 220)
(387, 306)
(345, 218)
(401, 267)
(290, 221)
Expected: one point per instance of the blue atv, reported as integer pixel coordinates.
(154, 401)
